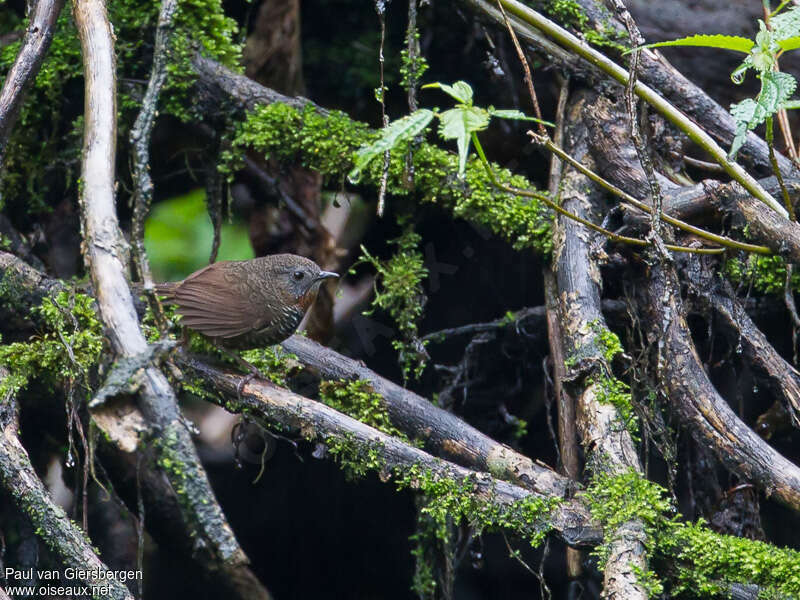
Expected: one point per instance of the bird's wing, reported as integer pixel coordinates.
(215, 302)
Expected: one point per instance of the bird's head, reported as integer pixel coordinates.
(299, 278)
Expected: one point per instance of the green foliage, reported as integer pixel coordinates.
(400, 131)
(178, 236)
(398, 291)
(719, 41)
(457, 124)
(449, 498)
(358, 399)
(66, 349)
(782, 34)
(700, 560)
(273, 362)
(776, 89)
(327, 143)
(200, 26)
(766, 274)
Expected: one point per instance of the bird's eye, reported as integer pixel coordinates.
(298, 275)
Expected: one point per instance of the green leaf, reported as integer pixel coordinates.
(791, 104)
(776, 89)
(458, 124)
(723, 42)
(792, 43)
(516, 114)
(786, 25)
(394, 133)
(460, 91)
(743, 113)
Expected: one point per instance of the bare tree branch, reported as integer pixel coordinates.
(701, 409)
(708, 293)
(105, 253)
(22, 73)
(140, 142)
(443, 432)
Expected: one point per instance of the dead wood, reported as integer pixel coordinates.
(273, 406)
(607, 443)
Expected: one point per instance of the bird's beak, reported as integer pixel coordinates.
(326, 275)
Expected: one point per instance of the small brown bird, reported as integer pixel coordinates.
(249, 303)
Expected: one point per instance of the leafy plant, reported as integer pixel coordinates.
(780, 35)
(457, 123)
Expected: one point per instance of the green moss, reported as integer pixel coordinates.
(609, 341)
(273, 362)
(200, 26)
(766, 274)
(569, 13)
(412, 69)
(358, 399)
(66, 349)
(710, 558)
(610, 389)
(456, 499)
(356, 459)
(398, 291)
(615, 500)
(700, 561)
(327, 143)
(43, 152)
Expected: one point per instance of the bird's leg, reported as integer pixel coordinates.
(253, 371)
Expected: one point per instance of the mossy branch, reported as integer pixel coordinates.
(62, 536)
(484, 502)
(667, 109)
(614, 237)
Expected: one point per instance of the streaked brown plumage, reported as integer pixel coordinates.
(250, 303)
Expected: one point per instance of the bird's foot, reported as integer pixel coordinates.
(245, 380)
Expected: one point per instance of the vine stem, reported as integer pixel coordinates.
(623, 195)
(567, 40)
(787, 201)
(615, 237)
(528, 77)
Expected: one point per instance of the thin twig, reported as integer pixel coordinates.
(623, 195)
(140, 143)
(615, 237)
(380, 7)
(702, 164)
(636, 134)
(528, 77)
(787, 201)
